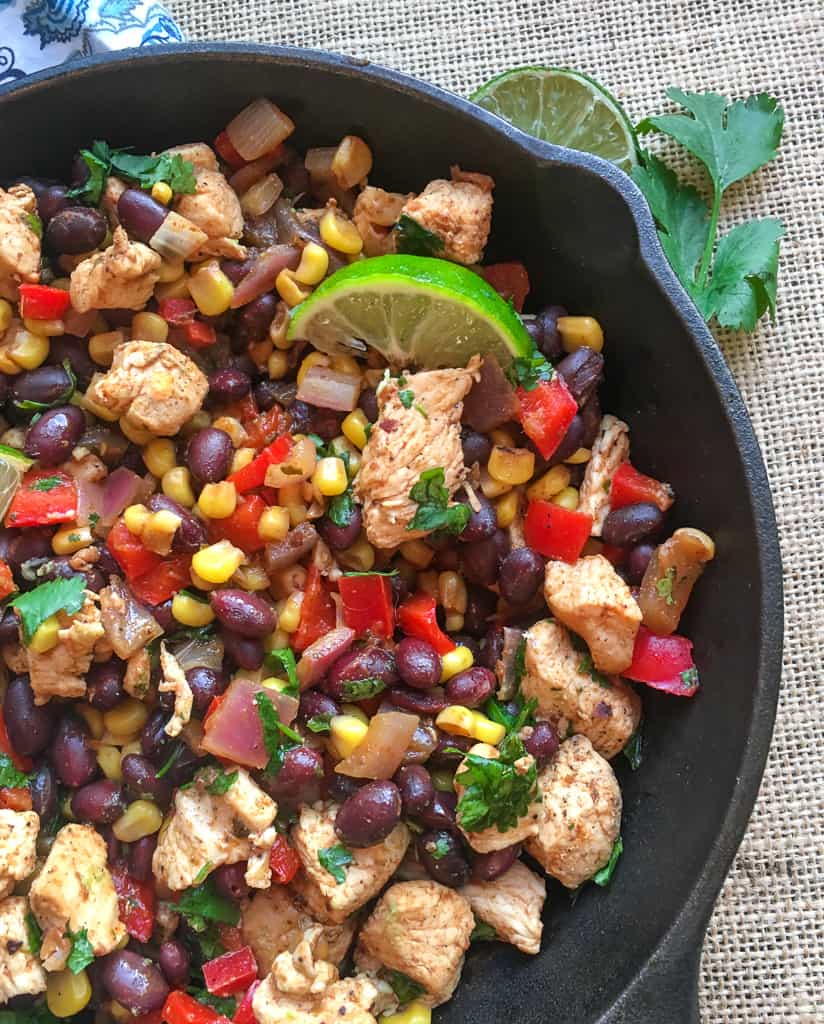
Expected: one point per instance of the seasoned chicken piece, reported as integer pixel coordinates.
(74, 890)
(611, 448)
(571, 693)
(512, 905)
(376, 213)
(370, 869)
(18, 835)
(421, 929)
(300, 971)
(490, 839)
(121, 277)
(258, 868)
(593, 601)
(406, 442)
(138, 674)
(198, 154)
(174, 681)
(20, 970)
(112, 191)
(61, 671)
(254, 809)
(459, 212)
(214, 208)
(19, 243)
(275, 920)
(348, 1001)
(581, 814)
(152, 385)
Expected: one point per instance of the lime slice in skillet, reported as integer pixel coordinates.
(565, 107)
(415, 310)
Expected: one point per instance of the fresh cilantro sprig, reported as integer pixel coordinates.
(39, 1014)
(203, 903)
(277, 737)
(664, 586)
(282, 659)
(434, 511)
(10, 777)
(497, 793)
(35, 606)
(604, 876)
(34, 934)
(319, 723)
(528, 372)
(335, 859)
(361, 689)
(734, 278)
(146, 171)
(403, 986)
(81, 954)
(222, 782)
(482, 932)
(35, 224)
(223, 1004)
(414, 239)
(634, 749)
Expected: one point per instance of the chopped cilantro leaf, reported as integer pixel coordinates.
(35, 606)
(282, 659)
(203, 874)
(483, 932)
(204, 903)
(407, 397)
(528, 372)
(372, 572)
(276, 735)
(335, 859)
(439, 848)
(419, 408)
(225, 1006)
(604, 876)
(341, 508)
(404, 987)
(10, 777)
(35, 224)
(360, 689)
(633, 751)
(414, 239)
(222, 783)
(689, 678)
(319, 723)
(34, 934)
(665, 585)
(170, 761)
(101, 160)
(81, 954)
(434, 511)
(94, 519)
(587, 668)
(496, 792)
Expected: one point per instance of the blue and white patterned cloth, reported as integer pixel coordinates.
(36, 34)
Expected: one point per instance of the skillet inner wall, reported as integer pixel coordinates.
(578, 241)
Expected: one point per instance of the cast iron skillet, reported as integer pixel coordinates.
(628, 953)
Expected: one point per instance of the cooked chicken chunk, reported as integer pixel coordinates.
(203, 830)
(376, 213)
(581, 814)
(302, 971)
(112, 191)
(406, 442)
(137, 678)
(593, 601)
(19, 243)
(490, 839)
(571, 693)
(459, 212)
(152, 385)
(275, 920)
(74, 890)
(20, 970)
(18, 835)
(512, 905)
(121, 277)
(369, 871)
(348, 1000)
(611, 448)
(61, 671)
(198, 154)
(174, 681)
(421, 929)
(214, 208)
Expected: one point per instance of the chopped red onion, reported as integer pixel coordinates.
(330, 389)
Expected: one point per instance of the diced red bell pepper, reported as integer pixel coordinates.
(263, 428)
(20, 762)
(241, 527)
(317, 611)
(283, 861)
(417, 617)
(230, 973)
(7, 584)
(545, 413)
(555, 531)
(244, 1014)
(254, 474)
(629, 487)
(41, 302)
(664, 663)
(510, 281)
(181, 1008)
(177, 312)
(199, 334)
(367, 604)
(170, 577)
(45, 497)
(227, 152)
(136, 903)
(130, 553)
(15, 798)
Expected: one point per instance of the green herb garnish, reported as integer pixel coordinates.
(319, 723)
(335, 859)
(81, 953)
(34, 934)
(633, 751)
(496, 792)
(407, 397)
(102, 160)
(35, 224)
(528, 372)
(204, 903)
(604, 876)
(225, 1006)
(361, 689)
(203, 874)
(665, 585)
(170, 761)
(689, 678)
(403, 986)
(277, 737)
(414, 239)
(10, 777)
(439, 849)
(35, 606)
(222, 783)
(434, 511)
(283, 660)
(483, 932)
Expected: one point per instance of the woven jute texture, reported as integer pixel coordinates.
(764, 953)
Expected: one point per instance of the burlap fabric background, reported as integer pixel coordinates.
(764, 954)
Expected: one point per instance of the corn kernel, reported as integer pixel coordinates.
(241, 458)
(137, 435)
(455, 661)
(484, 750)
(551, 483)
(491, 488)
(89, 404)
(417, 553)
(160, 456)
(340, 234)
(358, 557)
(177, 485)
(506, 508)
(131, 748)
(218, 562)
(578, 331)
(273, 523)
(45, 636)
(211, 289)
(135, 517)
(49, 328)
(7, 364)
(93, 718)
(175, 289)
(234, 428)
(279, 328)
(162, 193)
(485, 730)
(330, 476)
(314, 262)
(313, 359)
(415, 1013)
(188, 611)
(6, 314)
(140, 819)
(159, 530)
(127, 717)
(170, 271)
(200, 583)
(579, 457)
(67, 993)
(272, 683)
(289, 618)
(452, 592)
(28, 350)
(288, 288)
(259, 352)
(149, 327)
(346, 733)
(70, 539)
(109, 758)
(511, 465)
(102, 346)
(218, 501)
(456, 720)
(453, 622)
(567, 498)
(277, 366)
(502, 437)
(250, 577)
(354, 428)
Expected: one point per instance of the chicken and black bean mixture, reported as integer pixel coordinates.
(318, 640)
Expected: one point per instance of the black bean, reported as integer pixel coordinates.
(51, 201)
(141, 852)
(440, 814)
(300, 777)
(236, 270)
(369, 815)
(245, 651)
(43, 789)
(368, 403)
(482, 524)
(582, 371)
(205, 684)
(154, 740)
(481, 561)
(314, 704)
(418, 663)
(591, 420)
(175, 962)
(415, 786)
(339, 787)
(9, 627)
(521, 574)
(230, 881)
(368, 662)
(184, 766)
(443, 756)
(637, 562)
(476, 447)
(480, 607)
(572, 441)
(472, 687)
(542, 742)
(134, 981)
(72, 757)
(104, 682)
(301, 415)
(631, 524)
(210, 455)
(46, 385)
(229, 385)
(423, 742)
(191, 535)
(442, 854)
(326, 423)
(254, 318)
(75, 350)
(269, 393)
(163, 614)
(35, 543)
(113, 849)
(549, 341)
(30, 726)
(51, 439)
(140, 776)
(76, 229)
(486, 867)
(340, 537)
(243, 612)
(139, 214)
(419, 702)
(100, 802)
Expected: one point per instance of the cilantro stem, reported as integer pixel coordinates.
(712, 230)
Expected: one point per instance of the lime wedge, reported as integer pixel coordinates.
(13, 464)
(565, 107)
(415, 310)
